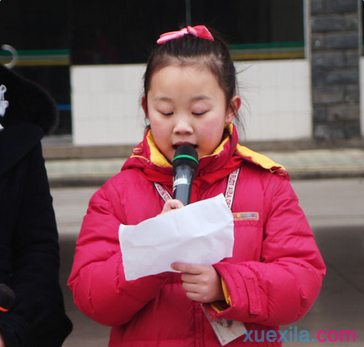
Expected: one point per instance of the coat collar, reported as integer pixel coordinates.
(147, 151)
(146, 155)
(225, 159)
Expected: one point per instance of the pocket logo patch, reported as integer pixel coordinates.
(246, 216)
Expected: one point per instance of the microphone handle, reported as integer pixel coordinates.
(182, 183)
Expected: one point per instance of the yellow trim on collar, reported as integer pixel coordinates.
(259, 159)
(155, 155)
(220, 147)
(159, 159)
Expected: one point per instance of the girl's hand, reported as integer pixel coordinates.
(171, 205)
(202, 283)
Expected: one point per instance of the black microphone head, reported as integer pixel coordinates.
(7, 297)
(185, 155)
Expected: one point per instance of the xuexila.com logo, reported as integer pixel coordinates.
(293, 335)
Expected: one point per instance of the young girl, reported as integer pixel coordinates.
(276, 270)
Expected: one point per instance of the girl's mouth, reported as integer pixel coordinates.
(175, 146)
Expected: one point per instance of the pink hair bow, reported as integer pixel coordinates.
(199, 31)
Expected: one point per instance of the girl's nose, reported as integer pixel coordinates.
(183, 125)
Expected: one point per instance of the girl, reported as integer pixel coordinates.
(276, 270)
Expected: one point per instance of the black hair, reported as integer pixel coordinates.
(188, 50)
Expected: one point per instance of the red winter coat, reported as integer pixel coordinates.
(273, 278)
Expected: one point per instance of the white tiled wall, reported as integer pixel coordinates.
(106, 102)
(279, 98)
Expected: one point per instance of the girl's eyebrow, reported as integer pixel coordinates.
(201, 97)
(195, 98)
(162, 98)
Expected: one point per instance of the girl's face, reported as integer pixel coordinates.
(186, 105)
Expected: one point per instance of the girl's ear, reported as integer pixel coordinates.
(233, 108)
(144, 105)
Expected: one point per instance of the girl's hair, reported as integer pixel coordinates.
(191, 50)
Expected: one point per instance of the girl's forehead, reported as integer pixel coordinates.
(190, 76)
(176, 70)
(185, 83)
(199, 62)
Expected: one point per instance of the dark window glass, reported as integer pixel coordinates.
(39, 32)
(50, 35)
(259, 29)
(117, 31)
(124, 31)
(249, 22)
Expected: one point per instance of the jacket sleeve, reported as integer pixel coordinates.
(97, 278)
(37, 316)
(282, 287)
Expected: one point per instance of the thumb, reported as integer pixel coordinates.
(170, 205)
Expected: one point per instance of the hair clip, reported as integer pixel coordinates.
(3, 103)
(199, 31)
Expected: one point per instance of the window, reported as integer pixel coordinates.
(49, 36)
(114, 32)
(38, 31)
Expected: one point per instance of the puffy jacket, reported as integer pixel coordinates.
(29, 248)
(273, 278)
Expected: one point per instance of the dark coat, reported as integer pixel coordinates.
(29, 250)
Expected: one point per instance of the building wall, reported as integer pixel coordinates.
(318, 97)
(362, 96)
(278, 95)
(335, 46)
(106, 102)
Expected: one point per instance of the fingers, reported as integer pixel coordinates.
(188, 268)
(201, 282)
(202, 292)
(171, 205)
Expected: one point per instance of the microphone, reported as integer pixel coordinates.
(7, 297)
(185, 164)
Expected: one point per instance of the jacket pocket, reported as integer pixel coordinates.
(255, 306)
(248, 239)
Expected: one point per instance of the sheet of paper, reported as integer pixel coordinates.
(199, 233)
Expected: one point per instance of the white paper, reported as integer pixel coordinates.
(199, 233)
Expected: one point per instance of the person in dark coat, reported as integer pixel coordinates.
(29, 249)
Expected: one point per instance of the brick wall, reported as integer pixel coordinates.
(335, 68)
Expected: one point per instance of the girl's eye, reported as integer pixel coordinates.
(166, 113)
(199, 113)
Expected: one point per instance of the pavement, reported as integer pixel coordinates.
(68, 165)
